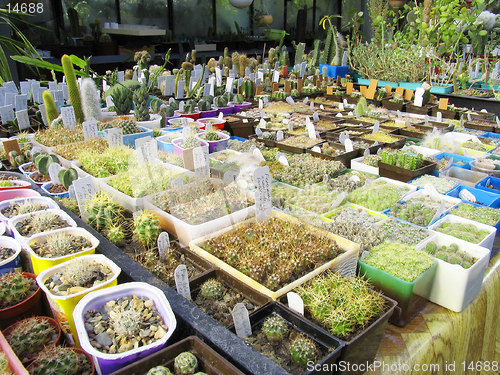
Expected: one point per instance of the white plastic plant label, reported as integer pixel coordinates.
(186, 132)
(376, 127)
(54, 170)
(315, 116)
(34, 150)
(366, 152)
(339, 200)
(276, 76)
(290, 126)
(147, 150)
(7, 113)
(85, 192)
(399, 113)
(177, 183)
(229, 177)
(90, 129)
(181, 106)
(354, 178)
(262, 123)
(263, 204)
(279, 135)
(439, 212)
(439, 117)
(346, 104)
(262, 113)
(348, 145)
(306, 100)
(258, 131)
(278, 154)
(317, 149)
(10, 86)
(426, 119)
(201, 163)
(431, 190)
(497, 120)
(109, 101)
(252, 148)
(290, 100)
(182, 281)
(23, 121)
(339, 115)
(68, 116)
(115, 137)
(295, 302)
(466, 195)
(2, 96)
(469, 117)
(341, 107)
(283, 160)
(25, 87)
(208, 127)
(311, 106)
(221, 115)
(21, 102)
(265, 100)
(321, 106)
(229, 84)
(261, 104)
(241, 321)
(179, 91)
(256, 152)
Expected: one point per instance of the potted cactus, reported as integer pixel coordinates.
(131, 129)
(66, 177)
(217, 141)
(42, 163)
(68, 361)
(105, 45)
(222, 104)
(30, 336)
(19, 297)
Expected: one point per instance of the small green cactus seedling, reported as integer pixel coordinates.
(61, 361)
(211, 136)
(147, 228)
(275, 328)
(115, 234)
(190, 142)
(211, 289)
(30, 336)
(303, 350)
(159, 370)
(185, 364)
(67, 176)
(14, 288)
(4, 364)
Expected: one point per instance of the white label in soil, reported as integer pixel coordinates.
(348, 145)
(366, 152)
(497, 120)
(262, 123)
(439, 212)
(283, 160)
(90, 128)
(262, 180)
(290, 100)
(265, 100)
(200, 161)
(341, 107)
(317, 149)
(10, 99)
(241, 321)
(218, 76)
(315, 116)
(261, 104)
(109, 101)
(21, 102)
(358, 115)
(115, 137)
(399, 113)
(311, 106)
(306, 100)
(2, 96)
(439, 117)
(182, 281)
(466, 195)
(290, 126)
(68, 116)
(258, 131)
(54, 170)
(7, 113)
(177, 183)
(147, 150)
(245, 120)
(25, 87)
(229, 84)
(252, 148)
(230, 176)
(310, 129)
(321, 106)
(10, 86)
(23, 121)
(295, 302)
(469, 117)
(85, 192)
(208, 127)
(52, 86)
(121, 76)
(279, 135)
(276, 76)
(256, 152)
(181, 106)
(179, 91)
(376, 127)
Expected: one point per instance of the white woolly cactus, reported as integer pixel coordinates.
(90, 99)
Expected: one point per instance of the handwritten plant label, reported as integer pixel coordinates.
(85, 192)
(295, 302)
(7, 113)
(147, 150)
(200, 161)
(54, 170)
(182, 281)
(348, 145)
(241, 321)
(177, 183)
(10, 98)
(263, 204)
(21, 102)
(179, 93)
(68, 116)
(230, 176)
(23, 121)
(279, 135)
(310, 129)
(90, 128)
(25, 87)
(115, 137)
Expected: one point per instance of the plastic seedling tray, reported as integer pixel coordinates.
(456, 160)
(357, 164)
(463, 176)
(490, 184)
(454, 287)
(402, 174)
(483, 197)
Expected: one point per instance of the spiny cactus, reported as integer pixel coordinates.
(238, 99)
(271, 56)
(50, 106)
(115, 234)
(105, 38)
(81, 272)
(14, 288)
(211, 289)
(243, 60)
(204, 105)
(61, 361)
(74, 93)
(220, 101)
(103, 212)
(29, 336)
(159, 370)
(147, 228)
(122, 100)
(236, 61)
(61, 244)
(141, 108)
(274, 328)
(303, 350)
(185, 364)
(126, 322)
(129, 126)
(90, 99)
(361, 106)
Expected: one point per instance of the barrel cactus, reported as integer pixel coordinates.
(212, 289)
(303, 350)
(185, 364)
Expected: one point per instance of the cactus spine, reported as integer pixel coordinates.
(50, 106)
(90, 99)
(14, 288)
(74, 93)
(30, 336)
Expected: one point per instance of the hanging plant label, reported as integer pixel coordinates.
(23, 121)
(90, 129)
(115, 137)
(68, 117)
(241, 321)
(263, 203)
(295, 302)
(54, 170)
(182, 281)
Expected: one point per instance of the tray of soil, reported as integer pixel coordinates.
(392, 105)
(416, 131)
(291, 341)
(28, 168)
(194, 353)
(349, 310)
(453, 113)
(476, 93)
(479, 124)
(444, 127)
(297, 144)
(216, 293)
(335, 151)
(57, 190)
(424, 110)
(402, 174)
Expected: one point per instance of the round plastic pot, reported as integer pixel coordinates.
(40, 263)
(63, 306)
(211, 113)
(219, 145)
(107, 363)
(177, 121)
(194, 116)
(23, 166)
(217, 123)
(7, 331)
(31, 306)
(46, 188)
(225, 110)
(17, 193)
(154, 122)
(13, 263)
(18, 184)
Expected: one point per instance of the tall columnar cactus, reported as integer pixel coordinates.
(74, 93)
(141, 108)
(122, 100)
(147, 228)
(50, 106)
(30, 336)
(243, 60)
(327, 56)
(361, 106)
(90, 99)
(14, 288)
(284, 60)
(271, 57)
(316, 53)
(299, 52)
(235, 57)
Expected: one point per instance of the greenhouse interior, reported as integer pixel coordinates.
(258, 187)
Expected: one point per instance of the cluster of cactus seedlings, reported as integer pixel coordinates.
(15, 288)
(127, 124)
(71, 151)
(39, 222)
(377, 196)
(401, 232)
(419, 211)
(451, 254)
(485, 215)
(105, 215)
(464, 231)
(22, 207)
(52, 137)
(60, 244)
(190, 142)
(62, 361)
(110, 162)
(30, 336)
(268, 251)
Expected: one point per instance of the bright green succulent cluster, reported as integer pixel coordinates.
(402, 159)
(303, 350)
(211, 289)
(185, 363)
(122, 100)
(464, 231)
(274, 328)
(147, 228)
(485, 215)
(30, 336)
(141, 107)
(190, 142)
(110, 162)
(128, 125)
(377, 196)
(419, 211)
(450, 254)
(105, 215)
(211, 136)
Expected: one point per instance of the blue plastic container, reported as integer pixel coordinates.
(410, 85)
(456, 158)
(238, 138)
(483, 197)
(46, 186)
(494, 136)
(12, 264)
(489, 181)
(334, 71)
(129, 139)
(165, 146)
(441, 89)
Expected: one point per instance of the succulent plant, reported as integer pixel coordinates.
(61, 361)
(159, 370)
(212, 289)
(74, 92)
(129, 126)
(112, 161)
(303, 350)
(115, 234)
(141, 108)
(185, 363)
(30, 336)
(147, 228)
(90, 99)
(211, 136)
(485, 215)
(103, 212)
(464, 231)
(67, 176)
(190, 142)
(274, 328)
(61, 244)
(14, 288)
(122, 100)
(39, 222)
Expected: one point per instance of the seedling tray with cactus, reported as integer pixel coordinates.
(402, 273)
(110, 162)
(217, 141)
(261, 272)
(466, 230)
(335, 151)
(403, 166)
(399, 231)
(291, 341)
(394, 141)
(442, 185)
(18, 206)
(69, 152)
(50, 137)
(216, 293)
(460, 270)
(51, 248)
(481, 214)
(129, 139)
